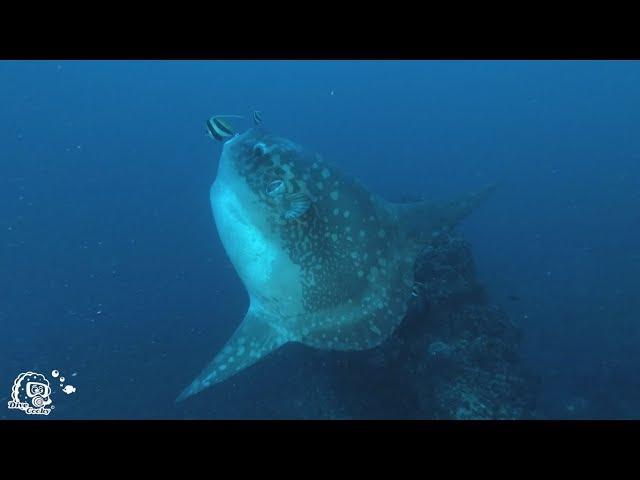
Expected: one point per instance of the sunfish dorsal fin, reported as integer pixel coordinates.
(421, 219)
(254, 339)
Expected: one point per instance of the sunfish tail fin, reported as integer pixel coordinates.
(423, 219)
(254, 339)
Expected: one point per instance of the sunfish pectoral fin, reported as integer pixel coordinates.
(254, 339)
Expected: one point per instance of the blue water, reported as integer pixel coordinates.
(110, 264)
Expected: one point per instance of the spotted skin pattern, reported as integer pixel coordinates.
(343, 260)
(356, 265)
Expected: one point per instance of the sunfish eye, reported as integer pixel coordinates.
(275, 188)
(260, 149)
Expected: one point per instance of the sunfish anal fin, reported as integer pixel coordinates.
(254, 339)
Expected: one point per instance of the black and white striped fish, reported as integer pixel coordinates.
(219, 129)
(257, 117)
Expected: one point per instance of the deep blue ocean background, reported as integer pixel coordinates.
(110, 264)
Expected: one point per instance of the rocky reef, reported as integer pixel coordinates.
(455, 356)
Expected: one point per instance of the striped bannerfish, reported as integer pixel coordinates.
(257, 117)
(220, 129)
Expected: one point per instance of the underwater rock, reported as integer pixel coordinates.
(472, 367)
(456, 359)
(440, 349)
(446, 270)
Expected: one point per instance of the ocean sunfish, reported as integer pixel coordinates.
(325, 262)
